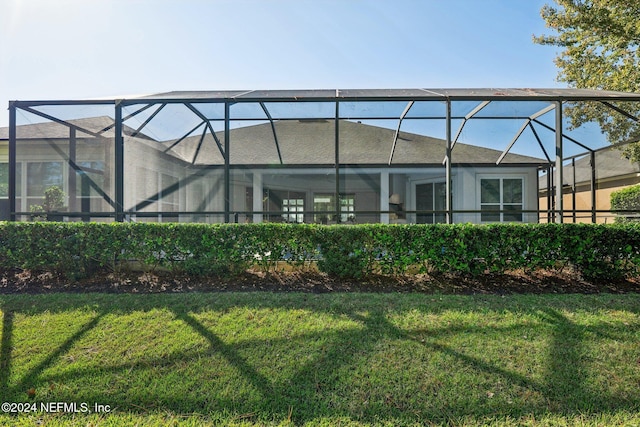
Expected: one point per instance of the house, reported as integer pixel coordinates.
(313, 156)
(585, 201)
(291, 181)
(301, 180)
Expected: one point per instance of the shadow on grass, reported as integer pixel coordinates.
(6, 345)
(319, 384)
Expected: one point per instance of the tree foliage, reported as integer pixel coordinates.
(600, 41)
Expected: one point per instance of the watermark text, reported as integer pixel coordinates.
(54, 407)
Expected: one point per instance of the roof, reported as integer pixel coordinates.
(102, 126)
(409, 94)
(434, 94)
(300, 142)
(610, 163)
(311, 142)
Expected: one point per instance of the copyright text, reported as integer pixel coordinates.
(54, 407)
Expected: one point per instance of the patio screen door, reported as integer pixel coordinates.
(431, 197)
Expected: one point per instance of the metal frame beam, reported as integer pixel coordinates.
(465, 119)
(621, 111)
(71, 173)
(146, 122)
(592, 162)
(567, 137)
(227, 174)
(61, 122)
(195, 155)
(135, 113)
(527, 122)
(12, 162)
(76, 168)
(336, 154)
(164, 192)
(119, 164)
(395, 137)
(484, 97)
(216, 139)
(448, 175)
(208, 124)
(544, 151)
(273, 129)
(559, 166)
(182, 138)
(513, 141)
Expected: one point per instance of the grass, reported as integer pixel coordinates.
(332, 359)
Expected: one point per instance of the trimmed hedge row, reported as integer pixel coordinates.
(78, 249)
(626, 199)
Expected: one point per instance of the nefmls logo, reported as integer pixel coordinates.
(66, 407)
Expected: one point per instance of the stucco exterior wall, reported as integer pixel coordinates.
(583, 202)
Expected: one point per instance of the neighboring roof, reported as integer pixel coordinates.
(610, 163)
(312, 142)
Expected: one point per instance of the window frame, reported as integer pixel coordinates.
(501, 203)
(347, 208)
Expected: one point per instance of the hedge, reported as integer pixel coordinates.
(77, 250)
(626, 199)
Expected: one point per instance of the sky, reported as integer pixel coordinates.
(77, 49)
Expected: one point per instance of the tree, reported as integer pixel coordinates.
(600, 42)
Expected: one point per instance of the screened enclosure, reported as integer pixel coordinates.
(320, 156)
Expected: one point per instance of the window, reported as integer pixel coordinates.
(501, 199)
(40, 176)
(324, 205)
(347, 207)
(283, 205)
(4, 180)
(294, 209)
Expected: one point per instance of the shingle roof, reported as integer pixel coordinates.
(301, 142)
(102, 125)
(312, 142)
(609, 164)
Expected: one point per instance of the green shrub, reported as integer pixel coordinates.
(626, 199)
(346, 251)
(76, 250)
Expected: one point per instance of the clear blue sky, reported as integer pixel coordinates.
(70, 49)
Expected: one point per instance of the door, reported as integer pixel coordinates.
(431, 197)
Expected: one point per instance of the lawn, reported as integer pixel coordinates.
(260, 358)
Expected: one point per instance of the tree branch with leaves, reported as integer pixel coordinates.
(600, 42)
